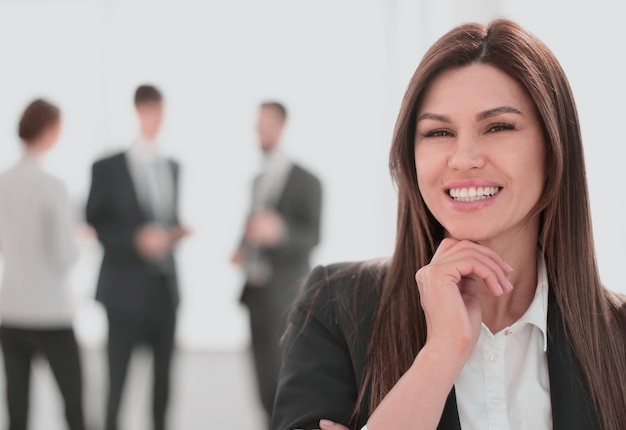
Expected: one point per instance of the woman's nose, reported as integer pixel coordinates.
(466, 154)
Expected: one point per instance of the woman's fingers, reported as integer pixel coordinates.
(445, 245)
(330, 425)
(485, 269)
(487, 252)
(463, 266)
(460, 259)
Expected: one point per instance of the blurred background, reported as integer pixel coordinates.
(341, 68)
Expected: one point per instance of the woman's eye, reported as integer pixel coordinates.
(437, 133)
(495, 128)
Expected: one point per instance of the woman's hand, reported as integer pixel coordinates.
(329, 425)
(449, 297)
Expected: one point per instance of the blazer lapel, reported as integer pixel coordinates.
(572, 406)
(450, 416)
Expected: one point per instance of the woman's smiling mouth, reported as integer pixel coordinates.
(472, 194)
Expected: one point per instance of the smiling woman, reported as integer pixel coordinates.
(490, 313)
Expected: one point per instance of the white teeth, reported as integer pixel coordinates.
(471, 194)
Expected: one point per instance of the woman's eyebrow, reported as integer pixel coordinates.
(481, 116)
(496, 111)
(433, 116)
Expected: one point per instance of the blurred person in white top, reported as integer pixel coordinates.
(38, 250)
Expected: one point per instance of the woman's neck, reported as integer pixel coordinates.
(35, 152)
(520, 252)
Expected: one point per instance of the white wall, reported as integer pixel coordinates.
(340, 66)
(588, 38)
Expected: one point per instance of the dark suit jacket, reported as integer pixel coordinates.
(114, 210)
(300, 206)
(324, 358)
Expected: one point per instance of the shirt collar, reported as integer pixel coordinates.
(144, 150)
(275, 160)
(537, 312)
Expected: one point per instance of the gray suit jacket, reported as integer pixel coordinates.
(300, 206)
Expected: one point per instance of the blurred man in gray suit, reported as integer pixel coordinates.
(282, 229)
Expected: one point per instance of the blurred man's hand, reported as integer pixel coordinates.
(237, 257)
(153, 241)
(85, 234)
(266, 228)
(179, 233)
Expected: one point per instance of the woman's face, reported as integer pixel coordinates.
(479, 154)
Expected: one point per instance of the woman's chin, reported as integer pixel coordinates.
(473, 236)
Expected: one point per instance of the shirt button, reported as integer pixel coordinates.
(508, 331)
(495, 402)
(493, 357)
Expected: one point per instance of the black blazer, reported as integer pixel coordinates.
(114, 210)
(324, 358)
(300, 205)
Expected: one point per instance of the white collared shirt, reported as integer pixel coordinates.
(276, 168)
(505, 384)
(152, 178)
(268, 189)
(37, 247)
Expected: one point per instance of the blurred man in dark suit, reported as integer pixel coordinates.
(282, 229)
(133, 207)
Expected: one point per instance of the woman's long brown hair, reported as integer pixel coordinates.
(588, 312)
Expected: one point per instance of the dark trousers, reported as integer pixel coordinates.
(59, 347)
(266, 326)
(156, 330)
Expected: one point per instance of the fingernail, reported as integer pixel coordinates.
(509, 286)
(508, 267)
(326, 424)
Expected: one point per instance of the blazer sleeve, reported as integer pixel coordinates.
(114, 235)
(303, 225)
(317, 379)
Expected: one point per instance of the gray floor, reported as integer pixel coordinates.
(211, 390)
